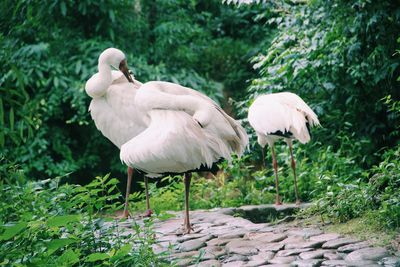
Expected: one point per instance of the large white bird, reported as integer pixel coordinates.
(112, 107)
(161, 128)
(186, 132)
(281, 116)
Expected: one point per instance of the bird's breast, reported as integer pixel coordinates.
(116, 116)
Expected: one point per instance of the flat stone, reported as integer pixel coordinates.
(292, 239)
(169, 238)
(335, 263)
(316, 254)
(243, 250)
(266, 237)
(212, 252)
(332, 256)
(169, 226)
(367, 254)
(193, 244)
(220, 242)
(391, 261)
(364, 263)
(187, 237)
(271, 247)
(235, 257)
(325, 237)
(290, 252)
(182, 255)
(265, 227)
(157, 248)
(352, 247)
(238, 222)
(304, 244)
(209, 263)
(276, 265)
(242, 247)
(233, 234)
(254, 263)
(307, 263)
(184, 262)
(260, 259)
(339, 242)
(204, 228)
(233, 264)
(282, 260)
(219, 230)
(305, 232)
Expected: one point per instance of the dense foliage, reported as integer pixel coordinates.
(59, 225)
(340, 57)
(49, 51)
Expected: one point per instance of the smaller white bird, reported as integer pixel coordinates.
(281, 116)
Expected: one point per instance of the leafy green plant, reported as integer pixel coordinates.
(44, 223)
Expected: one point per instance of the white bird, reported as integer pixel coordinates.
(281, 116)
(186, 132)
(112, 107)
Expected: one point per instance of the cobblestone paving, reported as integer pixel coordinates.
(221, 239)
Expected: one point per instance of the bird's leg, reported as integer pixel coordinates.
(293, 163)
(128, 190)
(187, 226)
(263, 156)
(146, 188)
(275, 165)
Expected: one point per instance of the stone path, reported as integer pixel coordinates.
(221, 239)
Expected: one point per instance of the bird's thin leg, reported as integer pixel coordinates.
(263, 156)
(187, 226)
(146, 188)
(275, 165)
(128, 190)
(293, 163)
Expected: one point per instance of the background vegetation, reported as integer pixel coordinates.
(340, 56)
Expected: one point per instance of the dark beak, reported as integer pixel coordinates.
(123, 66)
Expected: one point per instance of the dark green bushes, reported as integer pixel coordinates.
(43, 223)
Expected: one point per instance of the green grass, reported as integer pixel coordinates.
(366, 228)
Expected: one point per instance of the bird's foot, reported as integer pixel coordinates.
(188, 229)
(278, 200)
(125, 215)
(148, 213)
(185, 230)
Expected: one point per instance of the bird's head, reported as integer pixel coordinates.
(117, 59)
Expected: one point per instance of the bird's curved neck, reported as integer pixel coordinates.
(105, 74)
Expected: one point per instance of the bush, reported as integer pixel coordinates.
(44, 223)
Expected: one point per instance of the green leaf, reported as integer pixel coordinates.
(68, 258)
(12, 231)
(97, 256)
(63, 220)
(113, 181)
(78, 66)
(63, 7)
(111, 15)
(11, 119)
(122, 252)
(56, 244)
(2, 139)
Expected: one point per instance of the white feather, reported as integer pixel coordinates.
(285, 112)
(174, 141)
